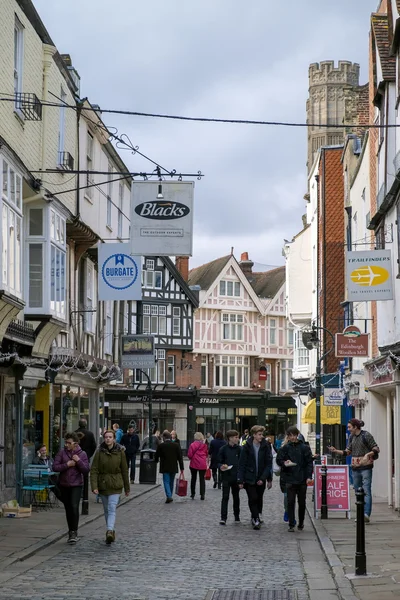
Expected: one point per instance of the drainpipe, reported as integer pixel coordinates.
(79, 105)
(48, 53)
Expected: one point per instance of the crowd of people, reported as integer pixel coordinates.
(234, 462)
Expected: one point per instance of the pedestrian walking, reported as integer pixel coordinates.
(255, 472)
(174, 437)
(213, 451)
(118, 433)
(209, 438)
(364, 451)
(197, 453)
(169, 454)
(109, 475)
(131, 443)
(282, 483)
(228, 461)
(87, 441)
(72, 463)
(244, 437)
(296, 462)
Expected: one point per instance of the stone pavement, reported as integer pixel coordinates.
(338, 539)
(174, 551)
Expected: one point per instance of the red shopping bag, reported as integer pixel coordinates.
(181, 486)
(207, 475)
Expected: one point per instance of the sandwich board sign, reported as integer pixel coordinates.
(337, 489)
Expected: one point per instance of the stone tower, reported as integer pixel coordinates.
(330, 89)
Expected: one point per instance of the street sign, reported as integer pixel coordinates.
(333, 397)
(369, 275)
(337, 488)
(137, 352)
(351, 343)
(119, 276)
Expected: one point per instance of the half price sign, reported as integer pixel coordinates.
(337, 488)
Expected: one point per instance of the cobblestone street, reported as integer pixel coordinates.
(177, 551)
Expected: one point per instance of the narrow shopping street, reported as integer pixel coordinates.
(177, 551)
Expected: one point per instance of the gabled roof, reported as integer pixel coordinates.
(380, 29)
(205, 275)
(178, 277)
(268, 284)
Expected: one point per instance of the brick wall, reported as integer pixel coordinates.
(332, 284)
(187, 368)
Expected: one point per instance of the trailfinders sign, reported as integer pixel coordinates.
(119, 275)
(162, 218)
(369, 276)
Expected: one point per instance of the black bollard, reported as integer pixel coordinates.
(85, 495)
(324, 503)
(361, 559)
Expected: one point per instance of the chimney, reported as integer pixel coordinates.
(246, 264)
(182, 264)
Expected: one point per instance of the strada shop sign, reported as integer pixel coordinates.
(351, 343)
(162, 218)
(337, 488)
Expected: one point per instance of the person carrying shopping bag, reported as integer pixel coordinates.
(169, 455)
(197, 454)
(109, 475)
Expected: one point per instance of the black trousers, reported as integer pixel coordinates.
(131, 460)
(299, 490)
(255, 495)
(71, 497)
(226, 488)
(194, 479)
(216, 473)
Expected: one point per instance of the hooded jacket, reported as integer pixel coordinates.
(229, 455)
(109, 472)
(247, 472)
(213, 451)
(299, 453)
(71, 476)
(198, 455)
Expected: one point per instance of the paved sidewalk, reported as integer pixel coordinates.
(338, 539)
(21, 538)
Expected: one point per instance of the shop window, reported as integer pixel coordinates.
(10, 433)
(232, 327)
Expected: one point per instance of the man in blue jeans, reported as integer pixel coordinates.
(169, 454)
(364, 451)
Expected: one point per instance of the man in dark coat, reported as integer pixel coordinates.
(132, 444)
(255, 472)
(87, 440)
(228, 463)
(296, 462)
(170, 455)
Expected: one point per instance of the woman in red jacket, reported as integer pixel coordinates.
(198, 454)
(72, 463)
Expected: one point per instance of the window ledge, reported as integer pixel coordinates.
(19, 116)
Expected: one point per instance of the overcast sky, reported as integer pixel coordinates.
(215, 58)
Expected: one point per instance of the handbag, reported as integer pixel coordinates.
(181, 486)
(275, 467)
(207, 475)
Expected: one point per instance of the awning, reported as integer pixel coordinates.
(330, 415)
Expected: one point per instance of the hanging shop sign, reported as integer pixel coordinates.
(262, 374)
(337, 488)
(162, 218)
(369, 275)
(120, 274)
(333, 397)
(137, 352)
(351, 343)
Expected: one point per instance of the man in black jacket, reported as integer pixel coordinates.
(255, 469)
(87, 440)
(296, 462)
(132, 444)
(228, 464)
(169, 454)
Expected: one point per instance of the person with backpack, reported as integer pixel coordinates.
(228, 463)
(364, 451)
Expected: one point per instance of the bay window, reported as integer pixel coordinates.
(11, 238)
(231, 371)
(301, 354)
(286, 375)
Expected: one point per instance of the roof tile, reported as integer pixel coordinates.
(206, 274)
(380, 28)
(268, 284)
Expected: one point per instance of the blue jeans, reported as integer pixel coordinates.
(168, 481)
(363, 478)
(110, 504)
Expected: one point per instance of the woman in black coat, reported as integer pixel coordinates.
(213, 451)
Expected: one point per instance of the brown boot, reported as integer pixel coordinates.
(109, 536)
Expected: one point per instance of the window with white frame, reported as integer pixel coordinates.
(89, 299)
(109, 194)
(231, 371)
(272, 332)
(290, 335)
(232, 327)
(157, 374)
(204, 370)
(58, 260)
(61, 127)
(171, 370)
(176, 320)
(120, 207)
(89, 165)
(268, 382)
(301, 353)
(229, 288)
(108, 329)
(150, 264)
(18, 61)
(11, 242)
(152, 280)
(154, 319)
(286, 368)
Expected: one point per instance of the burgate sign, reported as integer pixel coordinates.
(162, 218)
(119, 273)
